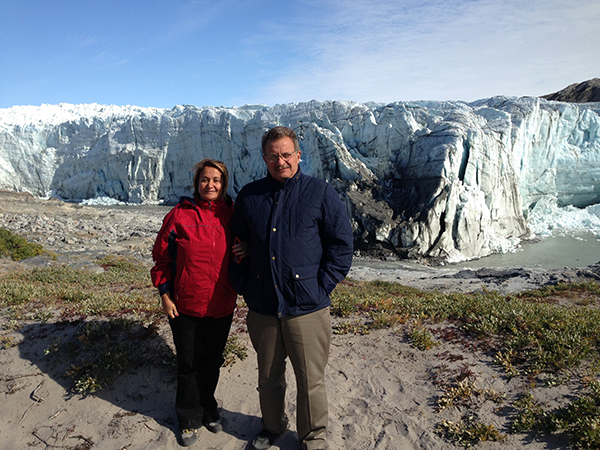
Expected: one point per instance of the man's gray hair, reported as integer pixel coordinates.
(276, 133)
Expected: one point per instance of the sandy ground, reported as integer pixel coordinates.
(382, 391)
(382, 394)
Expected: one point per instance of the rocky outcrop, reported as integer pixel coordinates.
(585, 92)
(441, 180)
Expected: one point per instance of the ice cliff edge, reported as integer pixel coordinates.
(444, 180)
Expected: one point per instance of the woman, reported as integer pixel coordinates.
(191, 254)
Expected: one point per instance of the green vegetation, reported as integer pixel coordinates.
(124, 287)
(530, 333)
(545, 336)
(579, 419)
(234, 350)
(467, 431)
(116, 313)
(17, 247)
(465, 393)
(420, 336)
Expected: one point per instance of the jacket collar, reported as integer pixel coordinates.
(276, 185)
(201, 203)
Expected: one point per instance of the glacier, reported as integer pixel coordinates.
(446, 181)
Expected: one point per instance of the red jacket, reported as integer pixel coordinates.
(191, 255)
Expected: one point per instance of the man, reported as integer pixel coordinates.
(299, 246)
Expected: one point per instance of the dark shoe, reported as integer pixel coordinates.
(212, 421)
(263, 440)
(322, 445)
(188, 437)
(214, 427)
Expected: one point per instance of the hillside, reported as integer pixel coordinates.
(585, 92)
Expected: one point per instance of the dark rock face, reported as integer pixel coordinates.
(585, 92)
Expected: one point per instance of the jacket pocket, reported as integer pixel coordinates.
(305, 287)
(182, 282)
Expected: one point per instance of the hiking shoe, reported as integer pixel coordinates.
(215, 426)
(263, 440)
(188, 437)
(212, 421)
(304, 446)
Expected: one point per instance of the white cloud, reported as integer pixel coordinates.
(261, 51)
(389, 50)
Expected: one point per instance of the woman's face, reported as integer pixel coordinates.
(210, 185)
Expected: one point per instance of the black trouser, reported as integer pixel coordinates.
(199, 342)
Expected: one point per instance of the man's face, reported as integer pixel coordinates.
(281, 158)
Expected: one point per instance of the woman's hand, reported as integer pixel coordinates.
(240, 250)
(169, 306)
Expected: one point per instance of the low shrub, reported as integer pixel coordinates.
(17, 247)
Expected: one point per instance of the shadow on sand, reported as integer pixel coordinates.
(130, 365)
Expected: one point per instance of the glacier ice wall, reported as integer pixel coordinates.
(445, 180)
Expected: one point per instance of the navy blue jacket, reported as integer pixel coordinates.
(301, 244)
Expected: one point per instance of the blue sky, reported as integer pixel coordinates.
(236, 52)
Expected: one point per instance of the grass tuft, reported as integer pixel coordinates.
(420, 336)
(579, 419)
(17, 247)
(468, 432)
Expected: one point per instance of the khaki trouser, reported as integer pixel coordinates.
(305, 340)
